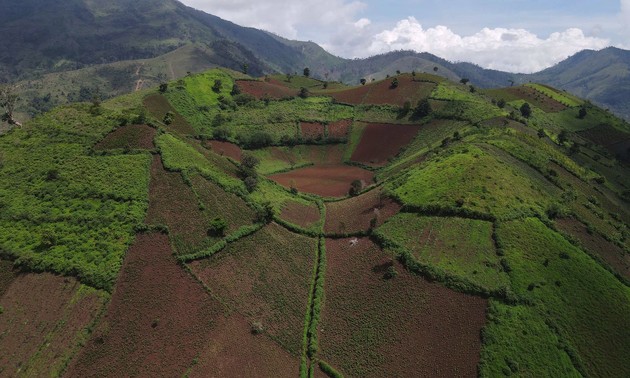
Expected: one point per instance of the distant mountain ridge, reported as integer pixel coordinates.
(40, 37)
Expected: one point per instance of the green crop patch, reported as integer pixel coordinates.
(471, 180)
(461, 247)
(267, 278)
(569, 291)
(563, 98)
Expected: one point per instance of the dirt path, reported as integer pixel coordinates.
(140, 81)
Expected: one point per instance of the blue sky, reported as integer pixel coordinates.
(511, 35)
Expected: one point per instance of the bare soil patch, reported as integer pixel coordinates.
(173, 203)
(228, 149)
(382, 92)
(356, 214)
(353, 96)
(339, 129)
(381, 142)
(614, 256)
(158, 106)
(302, 215)
(312, 130)
(266, 277)
(7, 275)
(403, 326)
(260, 89)
(324, 180)
(42, 324)
(536, 98)
(159, 318)
(129, 137)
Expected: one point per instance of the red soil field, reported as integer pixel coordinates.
(381, 142)
(159, 318)
(324, 180)
(234, 351)
(300, 214)
(42, 324)
(339, 129)
(536, 98)
(404, 326)
(312, 130)
(355, 214)
(611, 254)
(604, 135)
(266, 277)
(172, 203)
(381, 92)
(158, 106)
(272, 89)
(353, 96)
(228, 149)
(131, 136)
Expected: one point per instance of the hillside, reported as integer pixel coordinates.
(287, 226)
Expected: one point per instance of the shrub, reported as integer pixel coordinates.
(163, 87)
(221, 133)
(168, 118)
(216, 87)
(217, 227)
(390, 273)
(251, 182)
(355, 187)
(501, 103)
(257, 328)
(394, 83)
(526, 110)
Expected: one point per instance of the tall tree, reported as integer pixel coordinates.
(307, 72)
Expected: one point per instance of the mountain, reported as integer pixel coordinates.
(287, 226)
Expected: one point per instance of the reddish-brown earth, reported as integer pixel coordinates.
(353, 96)
(172, 203)
(42, 324)
(547, 104)
(356, 214)
(228, 149)
(159, 318)
(131, 137)
(404, 326)
(158, 106)
(382, 93)
(612, 255)
(381, 142)
(266, 277)
(339, 129)
(324, 180)
(300, 214)
(7, 275)
(272, 89)
(312, 130)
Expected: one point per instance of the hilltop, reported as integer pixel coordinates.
(284, 225)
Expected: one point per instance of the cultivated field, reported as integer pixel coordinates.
(325, 181)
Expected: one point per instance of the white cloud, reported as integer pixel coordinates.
(514, 50)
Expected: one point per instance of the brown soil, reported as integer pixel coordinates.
(355, 214)
(339, 129)
(353, 96)
(172, 203)
(548, 105)
(130, 137)
(266, 277)
(324, 180)
(616, 141)
(7, 275)
(312, 130)
(300, 214)
(381, 142)
(614, 256)
(158, 106)
(42, 323)
(403, 326)
(159, 318)
(272, 89)
(381, 92)
(228, 149)
(235, 351)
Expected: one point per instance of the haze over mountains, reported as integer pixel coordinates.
(41, 37)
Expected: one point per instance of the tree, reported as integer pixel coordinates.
(355, 187)
(250, 161)
(397, 72)
(541, 133)
(236, 90)
(307, 72)
(245, 67)
(501, 103)
(163, 87)
(435, 69)
(423, 109)
(289, 77)
(169, 117)
(218, 84)
(304, 93)
(473, 89)
(394, 83)
(526, 110)
(217, 227)
(363, 81)
(582, 113)
(8, 100)
(464, 80)
(563, 137)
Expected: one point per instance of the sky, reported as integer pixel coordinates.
(509, 35)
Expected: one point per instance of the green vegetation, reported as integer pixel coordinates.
(563, 98)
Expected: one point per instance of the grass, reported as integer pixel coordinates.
(569, 291)
(563, 98)
(470, 179)
(461, 247)
(356, 132)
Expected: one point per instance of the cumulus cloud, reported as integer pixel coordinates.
(514, 50)
(305, 19)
